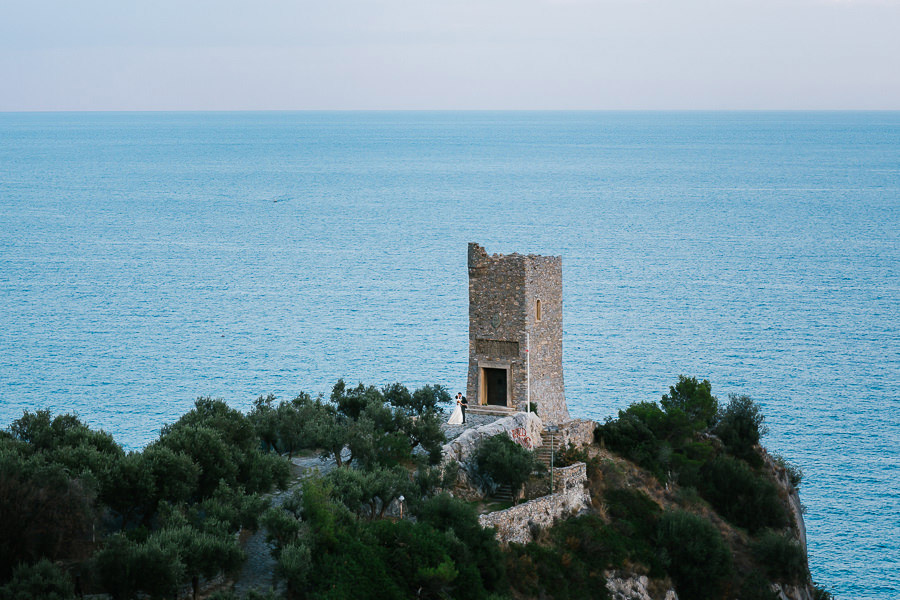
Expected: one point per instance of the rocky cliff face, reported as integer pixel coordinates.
(782, 478)
(634, 587)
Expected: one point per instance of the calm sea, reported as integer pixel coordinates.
(146, 259)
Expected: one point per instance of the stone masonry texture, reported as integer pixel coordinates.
(503, 296)
(518, 524)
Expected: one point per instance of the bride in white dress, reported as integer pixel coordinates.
(456, 418)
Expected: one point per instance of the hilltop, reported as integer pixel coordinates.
(674, 498)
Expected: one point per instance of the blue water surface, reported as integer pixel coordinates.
(147, 259)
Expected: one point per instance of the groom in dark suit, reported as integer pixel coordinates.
(463, 404)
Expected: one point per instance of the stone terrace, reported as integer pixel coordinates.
(472, 422)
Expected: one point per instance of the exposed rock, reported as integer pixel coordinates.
(780, 474)
(633, 587)
(463, 447)
(781, 477)
(792, 592)
(577, 432)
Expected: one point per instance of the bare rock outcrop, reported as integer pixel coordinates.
(525, 427)
(624, 586)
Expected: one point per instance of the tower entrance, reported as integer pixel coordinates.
(494, 386)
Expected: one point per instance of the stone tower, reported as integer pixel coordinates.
(515, 301)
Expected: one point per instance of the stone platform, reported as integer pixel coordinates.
(473, 421)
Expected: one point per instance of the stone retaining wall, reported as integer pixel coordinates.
(519, 523)
(570, 478)
(577, 432)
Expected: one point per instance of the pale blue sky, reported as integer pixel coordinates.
(449, 54)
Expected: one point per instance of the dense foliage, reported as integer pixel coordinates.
(42, 579)
(133, 521)
(574, 554)
(781, 557)
(324, 551)
(740, 426)
(501, 461)
(359, 425)
(744, 497)
(712, 451)
(685, 440)
(695, 555)
(141, 524)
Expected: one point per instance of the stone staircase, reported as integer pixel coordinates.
(503, 494)
(488, 409)
(542, 452)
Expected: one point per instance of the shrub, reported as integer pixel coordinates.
(662, 439)
(45, 514)
(740, 426)
(224, 444)
(250, 595)
(571, 567)
(113, 565)
(631, 436)
(501, 460)
(794, 472)
(632, 505)
(694, 554)
(634, 520)
(479, 547)
(48, 434)
(443, 554)
(42, 580)
(781, 557)
(370, 492)
(756, 586)
(741, 495)
(694, 399)
(294, 563)
(570, 456)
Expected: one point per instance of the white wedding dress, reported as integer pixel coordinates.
(456, 417)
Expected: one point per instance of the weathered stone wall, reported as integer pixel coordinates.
(543, 282)
(570, 478)
(577, 432)
(496, 320)
(517, 524)
(503, 295)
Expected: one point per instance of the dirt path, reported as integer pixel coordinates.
(258, 572)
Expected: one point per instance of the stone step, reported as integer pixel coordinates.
(543, 453)
(488, 409)
(546, 440)
(503, 494)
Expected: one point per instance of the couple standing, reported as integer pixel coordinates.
(459, 412)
